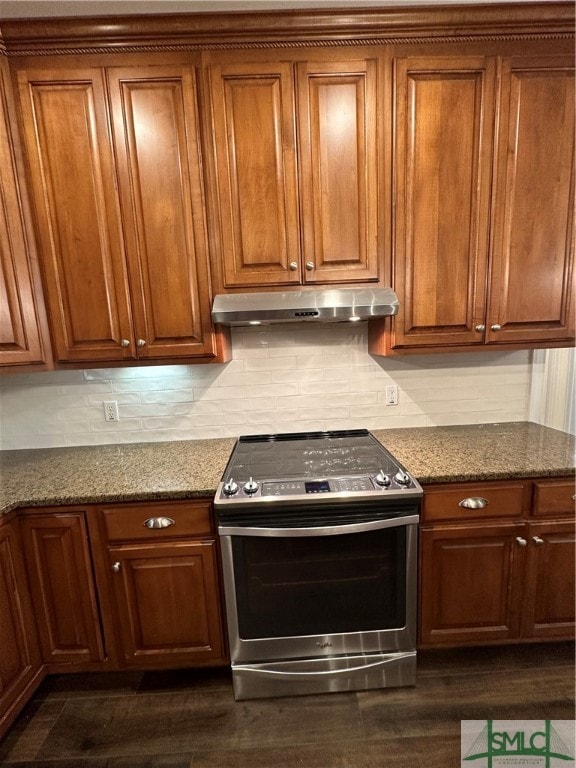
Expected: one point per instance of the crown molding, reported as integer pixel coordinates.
(281, 29)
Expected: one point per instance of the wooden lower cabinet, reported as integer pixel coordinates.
(550, 596)
(159, 586)
(497, 580)
(63, 592)
(21, 669)
(166, 604)
(470, 583)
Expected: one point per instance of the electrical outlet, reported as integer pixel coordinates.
(392, 394)
(111, 410)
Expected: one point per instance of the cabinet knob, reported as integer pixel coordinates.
(124, 343)
(158, 522)
(116, 567)
(537, 540)
(309, 266)
(474, 502)
(521, 541)
(495, 327)
(293, 266)
(141, 343)
(480, 327)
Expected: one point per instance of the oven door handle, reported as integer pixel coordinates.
(324, 530)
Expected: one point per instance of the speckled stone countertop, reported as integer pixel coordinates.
(185, 469)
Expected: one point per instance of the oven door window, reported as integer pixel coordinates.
(320, 584)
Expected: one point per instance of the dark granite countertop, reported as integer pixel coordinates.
(185, 469)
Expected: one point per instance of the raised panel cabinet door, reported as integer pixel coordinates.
(62, 586)
(21, 339)
(73, 182)
(548, 605)
(254, 143)
(470, 579)
(338, 169)
(532, 284)
(155, 124)
(167, 602)
(19, 656)
(442, 175)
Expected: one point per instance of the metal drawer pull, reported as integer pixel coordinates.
(158, 522)
(495, 327)
(474, 502)
(574, 497)
(293, 266)
(481, 327)
(116, 567)
(522, 542)
(537, 540)
(124, 343)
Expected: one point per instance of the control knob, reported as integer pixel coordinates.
(402, 478)
(230, 488)
(250, 487)
(382, 479)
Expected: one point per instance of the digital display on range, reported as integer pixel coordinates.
(317, 486)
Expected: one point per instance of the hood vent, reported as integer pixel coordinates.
(326, 305)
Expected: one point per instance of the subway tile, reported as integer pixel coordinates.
(145, 385)
(280, 377)
(248, 404)
(245, 378)
(174, 396)
(220, 393)
(323, 387)
(287, 363)
(143, 372)
(274, 390)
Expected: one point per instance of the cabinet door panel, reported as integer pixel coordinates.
(63, 592)
(20, 322)
(66, 130)
(19, 657)
(444, 120)
(254, 140)
(337, 114)
(156, 135)
(167, 601)
(470, 582)
(550, 595)
(532, 289)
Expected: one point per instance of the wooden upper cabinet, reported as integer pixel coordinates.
(532, 289)
(22, 323)
(338, 164)
(442, 173)
(297, 211)
(155, 126)
(254, 142)
(72, 175)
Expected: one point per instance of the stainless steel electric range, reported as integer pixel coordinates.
(319, 549)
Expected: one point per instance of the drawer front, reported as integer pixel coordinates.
(473, 502)
(129, 523)
(553, 497)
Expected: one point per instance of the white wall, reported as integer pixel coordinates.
(288, 378)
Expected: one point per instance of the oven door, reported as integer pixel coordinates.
(312, 592)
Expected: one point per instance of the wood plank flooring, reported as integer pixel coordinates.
(189, 719)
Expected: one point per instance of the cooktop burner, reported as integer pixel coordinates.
(306, 466)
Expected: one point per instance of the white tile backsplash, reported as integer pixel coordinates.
(282, 379)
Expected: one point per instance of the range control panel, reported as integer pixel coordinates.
(302, 487)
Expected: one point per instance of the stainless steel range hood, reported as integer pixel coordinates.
(326, 305)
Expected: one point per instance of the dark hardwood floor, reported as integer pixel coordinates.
(189, 719)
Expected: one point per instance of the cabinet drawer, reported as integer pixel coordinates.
(553, 497)
(485, 501)
(127, 523)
